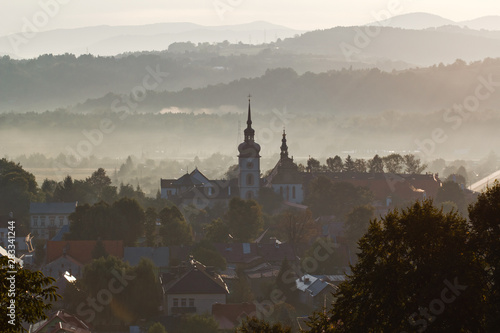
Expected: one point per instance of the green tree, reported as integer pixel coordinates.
(376, 165)
(217, 231)
(206, 253)
(29, 293)
(174, 229)
(97, 183)
(285, 281)
(313, 165)
(244, 219)
(150, 226)
(335, 164)
(332, 261)
(99, 250)
(17, 189)
(349, 164)
(413, 164)
(394, 163)
(157, 328)
(254, 325)
(144, 293)
(357, 223)
(325, 197)
(128, 220)
(298, 227)
(65, 191)
(360, 165)
(199, 324)
(451, 191)
(241, 291)
(485, 219)
(416, 271)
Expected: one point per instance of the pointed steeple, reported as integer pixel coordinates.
(249, 131)
(284, 147)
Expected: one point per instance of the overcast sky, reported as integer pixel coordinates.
(298, 14)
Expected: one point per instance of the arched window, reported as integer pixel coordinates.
(249, 179)
(293, 192)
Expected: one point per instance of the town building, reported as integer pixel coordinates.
(46, 219)
(194, 290)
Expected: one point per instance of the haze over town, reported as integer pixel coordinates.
(212, 166)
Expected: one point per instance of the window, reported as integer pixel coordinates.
(52, 220)
(293, 192)
(191, 302)
(183, 302)
(35, 221)
(42, 221)
(249, 179)
(176, 302)
(61, 221)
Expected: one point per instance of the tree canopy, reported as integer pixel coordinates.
(25, 296)
(417, 270)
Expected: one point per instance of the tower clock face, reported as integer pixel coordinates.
(250, 165)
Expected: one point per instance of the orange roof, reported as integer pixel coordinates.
(81, 250)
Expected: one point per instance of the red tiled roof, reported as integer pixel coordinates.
(81, 250)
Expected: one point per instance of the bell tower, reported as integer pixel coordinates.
(249, 162)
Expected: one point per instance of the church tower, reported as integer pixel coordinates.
(249, 162)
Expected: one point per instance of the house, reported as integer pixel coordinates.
(46, 219)
(195, 290)
(61, 321)
(196, 189)
(315, 291)
(65, 263)
(81, 250)
(230, 316)
(160, 256)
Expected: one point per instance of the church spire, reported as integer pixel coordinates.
(284, 147)
(249, 131)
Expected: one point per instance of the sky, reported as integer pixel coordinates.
(297, 14)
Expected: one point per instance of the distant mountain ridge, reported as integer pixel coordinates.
(112, 40)
(420, 21)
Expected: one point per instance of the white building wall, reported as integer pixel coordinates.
(202, 302)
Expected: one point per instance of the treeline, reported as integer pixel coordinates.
(50, 81)
(338, 91)
(393, 163)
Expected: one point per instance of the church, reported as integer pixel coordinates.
(288, 181)
(194, 188)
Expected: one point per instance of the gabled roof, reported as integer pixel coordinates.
(52, 207)
(198, 281)
(160, 256)
(62, 316)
